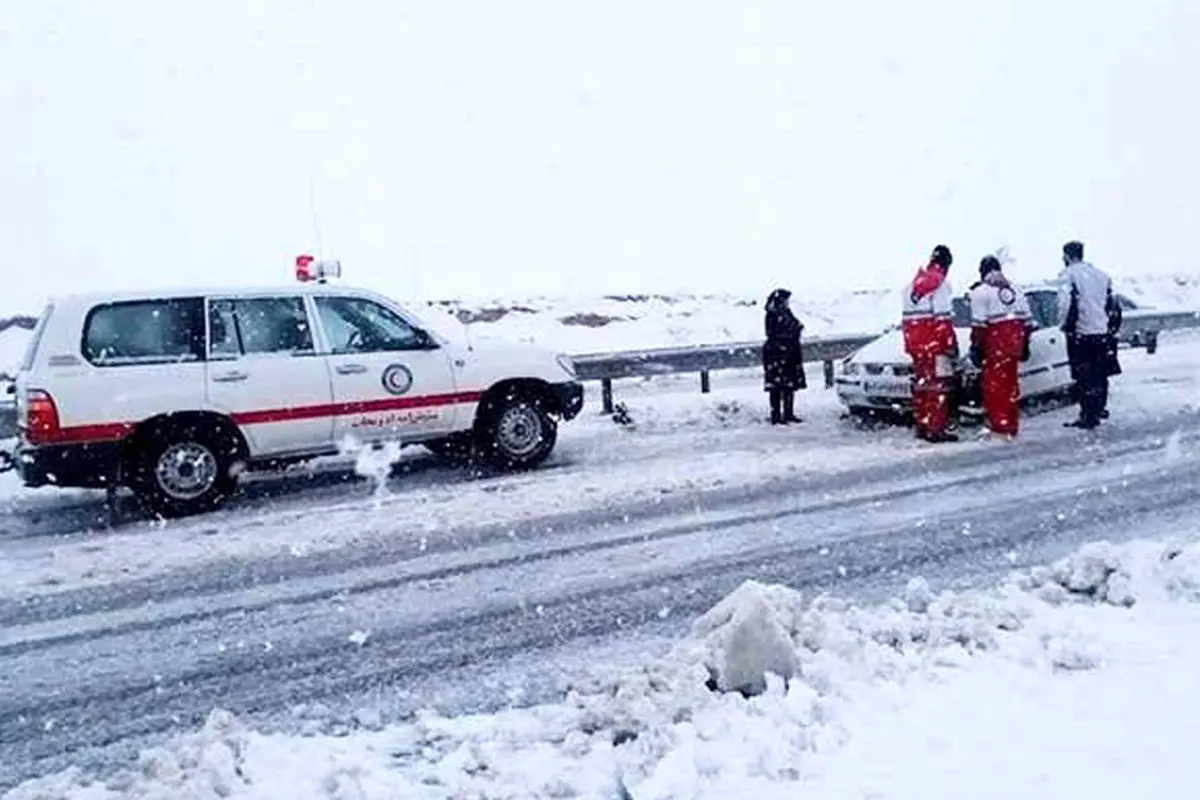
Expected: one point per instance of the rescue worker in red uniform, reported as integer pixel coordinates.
(1000, 330)
(930, 340)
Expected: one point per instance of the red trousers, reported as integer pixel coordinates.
(931, 397)
(1002, 393)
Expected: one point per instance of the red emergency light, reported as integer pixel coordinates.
(304, 268)
(309, 269)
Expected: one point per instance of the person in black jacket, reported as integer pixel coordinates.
(783, 358)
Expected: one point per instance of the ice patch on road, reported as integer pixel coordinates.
(855, 718)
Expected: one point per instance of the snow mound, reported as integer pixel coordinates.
(750, 702)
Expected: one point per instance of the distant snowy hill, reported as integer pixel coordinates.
(596, 324)
(587, 324)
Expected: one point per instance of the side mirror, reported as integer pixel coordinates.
(425, 341)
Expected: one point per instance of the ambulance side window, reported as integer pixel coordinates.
(222, 331)
(145, 332)
(258, 325)
(357, 325)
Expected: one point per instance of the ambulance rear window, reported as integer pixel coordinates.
(145, 332)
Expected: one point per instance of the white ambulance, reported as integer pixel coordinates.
(172, 393)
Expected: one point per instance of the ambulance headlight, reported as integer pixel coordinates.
(567, 365)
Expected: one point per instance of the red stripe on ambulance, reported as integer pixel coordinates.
(113, 431)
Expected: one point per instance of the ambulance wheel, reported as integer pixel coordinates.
(181, 469)
(517, 433)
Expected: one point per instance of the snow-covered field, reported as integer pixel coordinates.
(590, 324)
(1076, 679)
(598, 324)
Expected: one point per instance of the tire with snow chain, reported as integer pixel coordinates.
(177, 470)
(517, 433)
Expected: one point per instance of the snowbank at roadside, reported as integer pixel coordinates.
(1081, 671)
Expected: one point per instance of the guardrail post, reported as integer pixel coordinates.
(606, 398)
(705, 382)
(828, 374)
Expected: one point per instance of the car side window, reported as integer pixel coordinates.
(357, 325)
(1044, 307)
(145, 332)
(259, 325)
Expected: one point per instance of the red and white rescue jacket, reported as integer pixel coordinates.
(928, 322)
(1000, 317)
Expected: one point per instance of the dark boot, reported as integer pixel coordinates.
(776, 397)
(789, 408)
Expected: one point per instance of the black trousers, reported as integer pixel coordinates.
(783, 405)
(1089, 365)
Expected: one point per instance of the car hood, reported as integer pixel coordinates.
(889, 348)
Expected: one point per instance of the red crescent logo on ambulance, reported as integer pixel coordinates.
(397, 379)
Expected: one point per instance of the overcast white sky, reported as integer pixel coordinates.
(474, 148)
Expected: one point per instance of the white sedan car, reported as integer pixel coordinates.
(876, 378)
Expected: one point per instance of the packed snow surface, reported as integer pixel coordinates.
(1075, 679)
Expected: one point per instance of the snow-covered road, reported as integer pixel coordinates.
(339, 600)
(116, 670)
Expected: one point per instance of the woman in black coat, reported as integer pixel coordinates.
(783, 359)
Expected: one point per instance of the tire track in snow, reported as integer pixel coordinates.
(279, 570)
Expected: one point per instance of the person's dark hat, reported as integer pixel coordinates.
(988, 265)
(942, 256)
(780, 295)
(1073, 251)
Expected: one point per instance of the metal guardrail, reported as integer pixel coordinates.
(1140, 329)
(704, 359)
(1149, 320)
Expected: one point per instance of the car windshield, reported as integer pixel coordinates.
(1042, 304)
